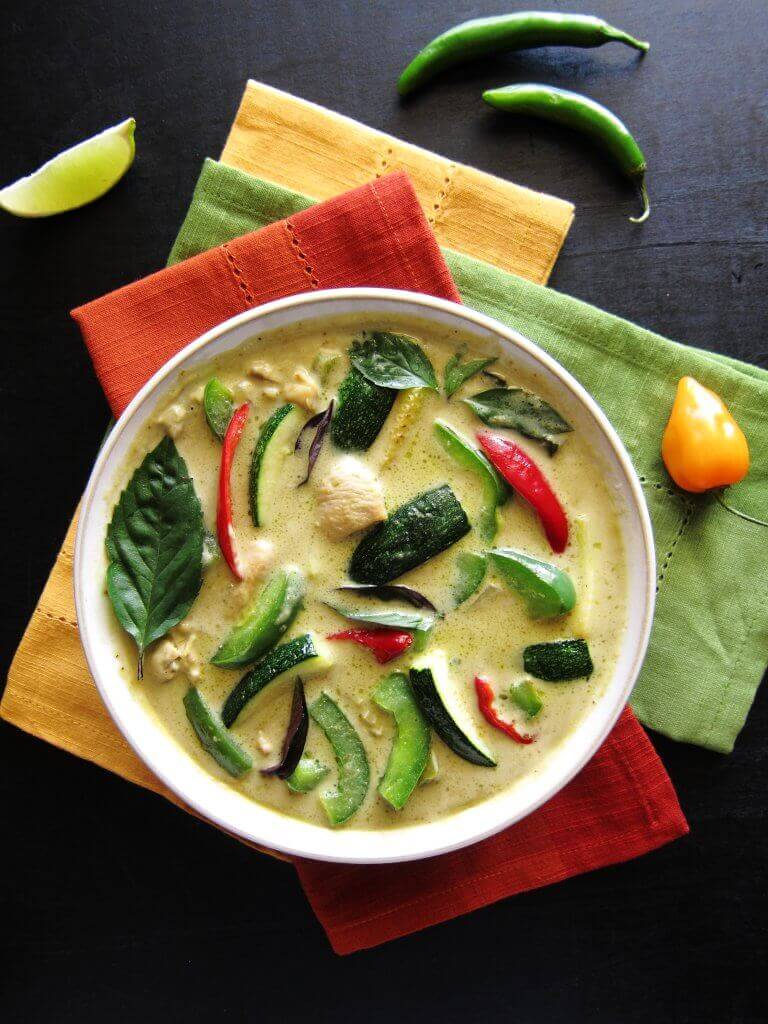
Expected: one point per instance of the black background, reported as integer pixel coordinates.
(118, 907)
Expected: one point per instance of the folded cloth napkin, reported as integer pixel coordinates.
(708, 649)
(623, 803)
(307, 148)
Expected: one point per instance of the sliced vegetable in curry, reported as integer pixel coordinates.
(359, 529)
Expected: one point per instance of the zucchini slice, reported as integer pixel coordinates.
(275, 442)
(559, 661)
(410, 747)
(307, 651)
(354, 775)
(214, 737)
(362, 410)
(264, 621)
(446, 711)
(416, 532)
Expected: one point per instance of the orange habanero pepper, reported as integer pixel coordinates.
(703, 446)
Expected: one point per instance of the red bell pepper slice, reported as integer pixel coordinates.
(384, 643)
(224, 527)
(485, 697)
(522, 473)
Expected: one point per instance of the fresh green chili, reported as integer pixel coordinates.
(583, 115)
(523, 30)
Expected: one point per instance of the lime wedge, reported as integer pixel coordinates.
(75, 177)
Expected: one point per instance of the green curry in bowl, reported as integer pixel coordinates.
(372, 573)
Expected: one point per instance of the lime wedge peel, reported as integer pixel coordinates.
(75, 177)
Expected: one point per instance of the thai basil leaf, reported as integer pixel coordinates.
(155, 548)
(390, 592)
(395, 620)
(295, 735)
(457, 373)
(317, 441)
(522, 411)
(311, 422)
(393, 361)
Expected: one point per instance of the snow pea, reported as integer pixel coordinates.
(354, 775)
(214, 737)
(410, 747)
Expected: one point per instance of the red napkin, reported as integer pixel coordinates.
(622, 804)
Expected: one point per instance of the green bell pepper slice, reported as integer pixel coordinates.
(494, 490)
(470, 573)
(410, 747)
(306, 775)
(354, 775)
(219, 404)
(526, 698)
(264, 621)
(214, 737)
(546, 590)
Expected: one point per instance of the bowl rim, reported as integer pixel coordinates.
(427, 304)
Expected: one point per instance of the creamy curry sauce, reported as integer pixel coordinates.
(485, 636)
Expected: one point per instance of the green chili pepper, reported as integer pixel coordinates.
(546, 590)
(527, 698)
(494, 491)
(523, 30)
(583, 115)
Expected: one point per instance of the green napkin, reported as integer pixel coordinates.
(710, 636)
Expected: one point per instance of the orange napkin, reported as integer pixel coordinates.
(622, 804)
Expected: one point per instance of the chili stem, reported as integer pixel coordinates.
(734, 511)
(646, 204)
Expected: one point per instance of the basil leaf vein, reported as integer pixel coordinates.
(395, 620)
(393, 361)
(155, 548)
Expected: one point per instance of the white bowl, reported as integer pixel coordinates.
(226, 806)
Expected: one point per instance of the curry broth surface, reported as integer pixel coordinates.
(484, 636)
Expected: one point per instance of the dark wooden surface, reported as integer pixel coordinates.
(116, 907)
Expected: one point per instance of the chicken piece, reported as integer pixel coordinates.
(256, 558)
(172, 419)
(350, 498)
(263, 371)
(303, 390)
(175, 656)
